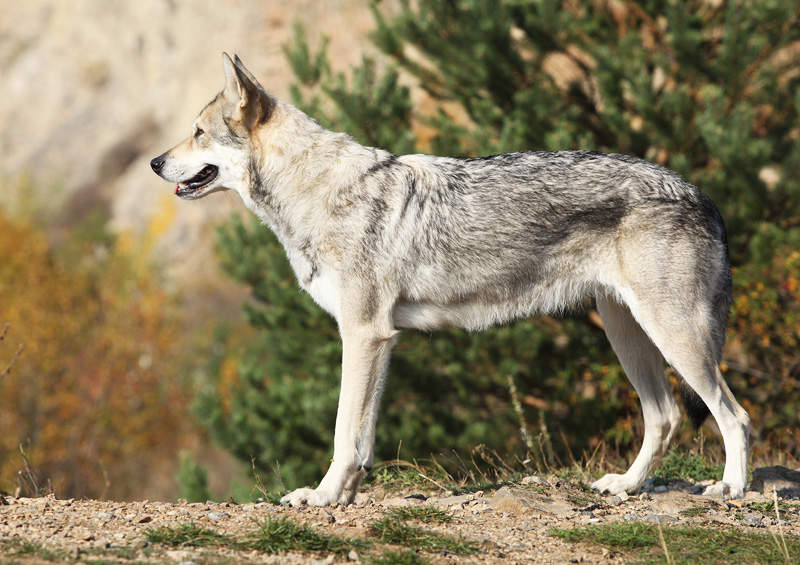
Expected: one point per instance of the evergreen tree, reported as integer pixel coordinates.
(192, 479)
(707, 89)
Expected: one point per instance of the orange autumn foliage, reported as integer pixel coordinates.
(93, 398)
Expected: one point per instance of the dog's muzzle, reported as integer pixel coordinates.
(190, 188)
(157, 164)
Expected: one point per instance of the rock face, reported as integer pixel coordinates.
(782, 479)
(93, 89)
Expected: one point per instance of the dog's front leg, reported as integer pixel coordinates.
(365, 358)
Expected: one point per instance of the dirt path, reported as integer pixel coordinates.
(512, 524)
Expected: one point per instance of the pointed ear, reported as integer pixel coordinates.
(239, 65)
(232, 89)
(241, 88)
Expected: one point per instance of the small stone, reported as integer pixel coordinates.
(145, 519)
(361, 499)
(396, 502)
(460, 500)
(532, 480)
(645, 496)
(617, 499)
(418, 496)
(353, 556)
(660, 518)
(217, 516)
(660, 488)
(518, 501)
(106, 515)
(754, 521)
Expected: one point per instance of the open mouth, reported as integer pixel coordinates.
(201, 179)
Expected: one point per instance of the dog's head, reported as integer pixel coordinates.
(215, 155)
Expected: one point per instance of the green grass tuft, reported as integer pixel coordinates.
(282, 534)
(187, 535)
(685, 544)
(408, 557)
(619, 535)
(768, 508)
(389, 530)
(694, 511)
(687, 466)
(425, 514)
(23, 548)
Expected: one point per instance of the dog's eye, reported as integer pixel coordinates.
(198, 132)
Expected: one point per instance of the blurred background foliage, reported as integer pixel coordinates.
(113, 382)
(91, 334)
(709, 89)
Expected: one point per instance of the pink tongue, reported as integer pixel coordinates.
(177, 186)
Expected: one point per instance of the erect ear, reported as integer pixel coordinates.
(254, 105)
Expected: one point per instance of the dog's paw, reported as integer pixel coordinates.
(309, 497)
(615, 484)
(723, 490)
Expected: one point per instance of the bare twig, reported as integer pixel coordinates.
(7, 370)
(106, 481)
(27, 479)
(257, 477)
(523, 425)
(663, 542)
(784, 550)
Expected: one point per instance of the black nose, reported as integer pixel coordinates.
(157, 164)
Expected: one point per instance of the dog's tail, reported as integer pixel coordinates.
(696, 409)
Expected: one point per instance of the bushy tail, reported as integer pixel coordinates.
(696, 409)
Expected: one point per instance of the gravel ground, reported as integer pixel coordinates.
(510, 524)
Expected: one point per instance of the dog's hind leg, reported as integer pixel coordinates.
(644, 366)
(690, 333)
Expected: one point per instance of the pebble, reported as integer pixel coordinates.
(660, 518)
(460, 500)
(754, 521)
(106, 515)
(217, 516)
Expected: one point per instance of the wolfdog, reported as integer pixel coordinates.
(385, 242)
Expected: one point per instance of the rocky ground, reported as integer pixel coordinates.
(510, 523)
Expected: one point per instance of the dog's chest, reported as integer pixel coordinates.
(316, 278)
